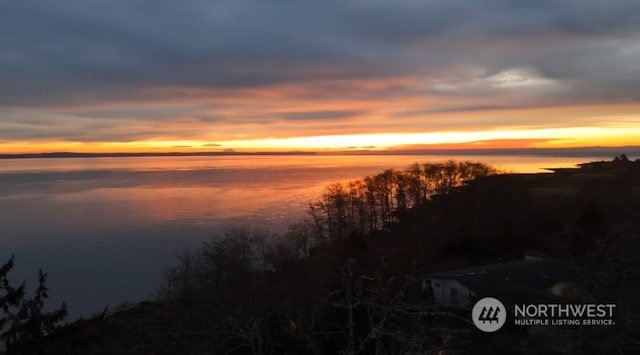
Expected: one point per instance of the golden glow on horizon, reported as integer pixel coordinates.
(536, 138)
(324, 116)
(555, 137)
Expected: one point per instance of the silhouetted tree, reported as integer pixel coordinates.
(371, 204)
(24, 323)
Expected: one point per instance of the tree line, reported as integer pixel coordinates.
(370, 204)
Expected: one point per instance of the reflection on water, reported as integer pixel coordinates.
(516, 163)
(104, 228)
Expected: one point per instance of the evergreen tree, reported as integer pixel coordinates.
(23, 323)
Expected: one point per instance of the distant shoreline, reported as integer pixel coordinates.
(131, 155)
(579, 152)
(632, 151)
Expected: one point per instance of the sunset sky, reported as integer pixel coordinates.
(259, 75)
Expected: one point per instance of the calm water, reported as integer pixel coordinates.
(105, 228)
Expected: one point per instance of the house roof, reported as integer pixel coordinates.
(514, 281)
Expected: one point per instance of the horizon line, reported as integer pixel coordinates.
(544, 151)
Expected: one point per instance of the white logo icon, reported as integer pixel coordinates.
(489, 314)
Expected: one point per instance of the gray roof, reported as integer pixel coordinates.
(514, 281)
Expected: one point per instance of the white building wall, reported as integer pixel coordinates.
(449, 292)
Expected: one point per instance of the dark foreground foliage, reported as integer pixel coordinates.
(24, 323)
(348, 281)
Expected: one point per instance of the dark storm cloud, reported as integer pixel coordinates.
(70, 52)
(416, 20)
(97, 50)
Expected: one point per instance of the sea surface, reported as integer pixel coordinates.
(104, 229)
